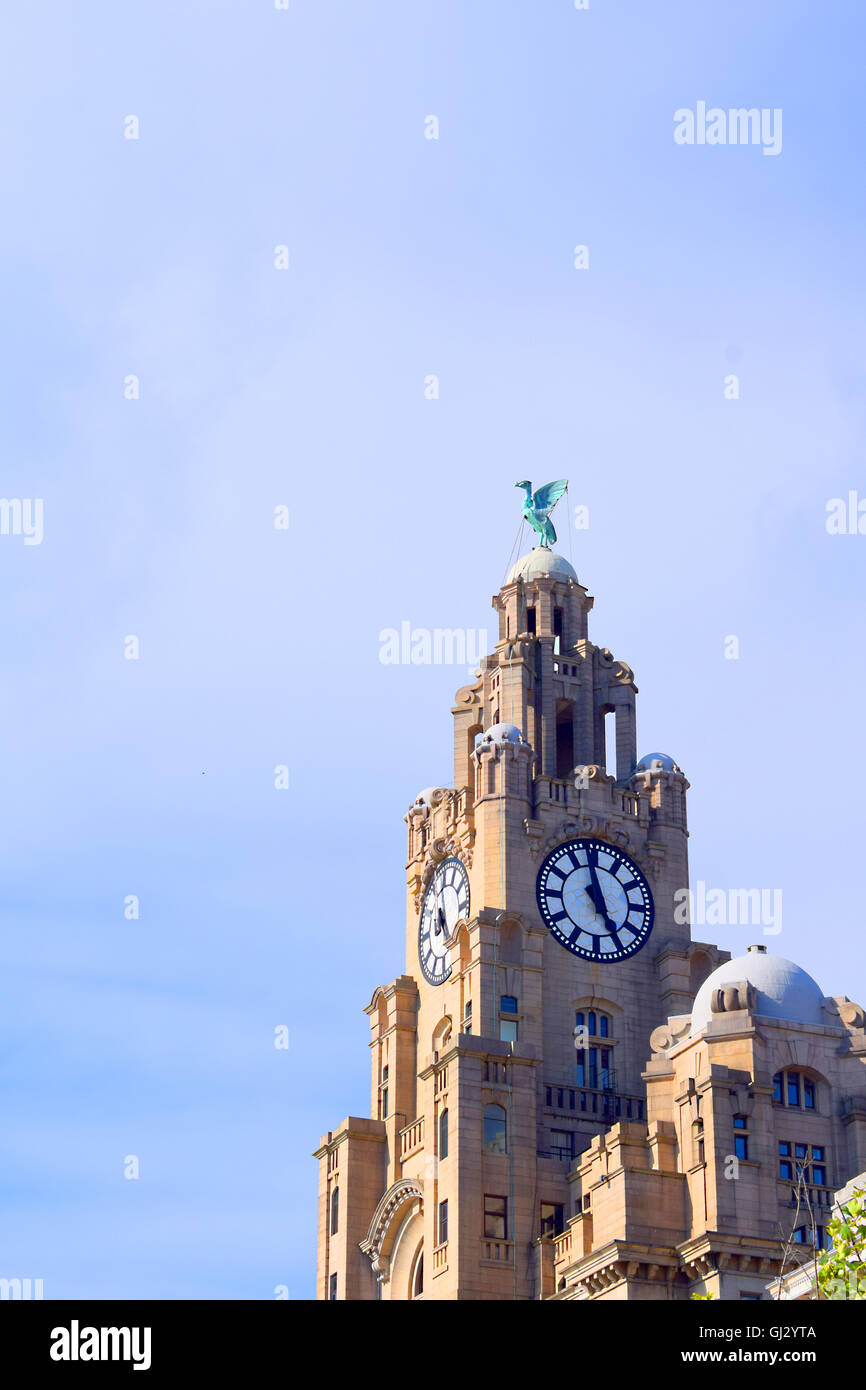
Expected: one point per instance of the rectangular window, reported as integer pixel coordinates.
(777, 1088)
(818, 1152)
(741, 1145)
(508, 1004)
(530, 620)
(562, 1143)
(740, 1122)
(548, 1095)
(785, 1149)
(794, 1088)
(496, 1217)
(749, 1297)
(786, 1169)
(332, 1289)
(819, 1175)
(808, 1093)
(443, 1222)
(799, 1150)
(508, 1030)
(552, 1219)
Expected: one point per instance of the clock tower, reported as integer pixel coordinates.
(543, 949)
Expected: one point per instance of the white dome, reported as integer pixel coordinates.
(541, 563)
(501, 733)
(783, 989)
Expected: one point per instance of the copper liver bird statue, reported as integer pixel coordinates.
(537, 509)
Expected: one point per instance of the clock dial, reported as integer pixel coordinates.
(595, 900)
(446, 900)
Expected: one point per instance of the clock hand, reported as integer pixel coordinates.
(596, 894)
(593, 888)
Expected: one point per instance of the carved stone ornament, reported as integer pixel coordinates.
(738, 994)
(667, 1034)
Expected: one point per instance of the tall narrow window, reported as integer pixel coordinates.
(332, 1289)
(443, 1134)
(741, 1138)
(383, 1095)
(335, 1211)
(494, 1130)
(495, 1217)
(443, 1222)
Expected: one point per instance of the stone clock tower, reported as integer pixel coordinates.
(542, 951)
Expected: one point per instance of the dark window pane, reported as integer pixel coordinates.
(777, 1087)
(508, 1004)
(603, 1020)
(808, 1093)
(496, 1217)
(494, 1129)
(793, 1088)
(741, 1146)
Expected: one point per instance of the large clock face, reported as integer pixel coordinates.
(446, 900)
(595, 900)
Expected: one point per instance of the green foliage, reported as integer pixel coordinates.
(842, 1270)
(702, 1297)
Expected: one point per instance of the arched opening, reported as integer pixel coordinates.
(510, 944)
(564, 739)
(442, 1033)
(416, 1283)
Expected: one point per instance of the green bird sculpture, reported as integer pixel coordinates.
(537, 509)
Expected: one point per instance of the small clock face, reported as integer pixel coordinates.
(595, 900)
(446, 900)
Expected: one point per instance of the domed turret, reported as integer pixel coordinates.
(667, 763)
(501, 733)
(541, 563)
(782, 989)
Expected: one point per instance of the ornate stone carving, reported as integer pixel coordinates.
(738, 994)
(664, 1037)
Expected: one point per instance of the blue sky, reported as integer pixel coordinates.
(260, 647)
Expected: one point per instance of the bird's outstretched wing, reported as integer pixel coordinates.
(545, 498)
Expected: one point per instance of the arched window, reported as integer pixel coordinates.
(494, 1130)
(416, 1285)
(443, 1134)
(335, 1210)
(595, 1024)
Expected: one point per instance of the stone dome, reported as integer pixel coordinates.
(542, 563)
(668, 764)
(426, 797)
(783, 989)
(501, 733)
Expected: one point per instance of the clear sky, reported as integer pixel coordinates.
(259, 647)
